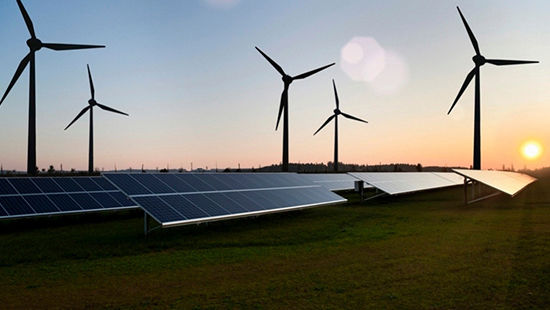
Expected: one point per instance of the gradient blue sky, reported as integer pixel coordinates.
(197, 90)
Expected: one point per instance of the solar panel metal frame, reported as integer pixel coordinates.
(51, 189)
(246, 188)
(507, 182)
(397, 183)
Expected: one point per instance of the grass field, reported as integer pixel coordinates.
(419, 251)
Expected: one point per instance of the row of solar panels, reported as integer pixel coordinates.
(396, 183)
(23, 197)
(174, 199)
(216, 195)
(177, 199)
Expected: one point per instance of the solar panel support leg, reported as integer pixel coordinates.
(146, 223)
(466, 183)
(359, 187)
(476, 187)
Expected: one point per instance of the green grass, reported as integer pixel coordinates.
(419, 251)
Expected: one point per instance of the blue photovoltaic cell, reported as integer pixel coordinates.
(41, 204)
(85, 201)
(87, 184)
(2, 211)
(195, 182)
(184, 207)
(47, 185)
(215, 182)
(15, 205)
(289, 180)
(122, 200)
(265, 181)
(104, 184)
(158, 209)
(248, 183)
(6, 188)
(152, 183)
(226, 203)
(65, 203)
(68, 185)
(207, 205)
(236, 182)
(318, 195)
(24, 186)
(244, 201)
(175, 183)
(127, 184)
(298, 196)
(105, 200)
(260, 199)
(278, 197)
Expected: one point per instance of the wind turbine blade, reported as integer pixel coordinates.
(27, 19)
(273, 63)
(470, 33)
(305, 75)
(106, 108)
(92, 90)
(353, 117)
(63, 47)
(284, 101)
(504, 62)
(336, 95)
(18, 72)
(79, 115)
(469, 78)
(326, 122)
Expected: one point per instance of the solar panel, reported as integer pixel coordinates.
(333, 181)
(39, 196)
(185, 198)
(505, 181)
(395, 183)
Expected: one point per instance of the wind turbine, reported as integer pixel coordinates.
(479, 61)
(91, 104)
(287, 79)
(34, 45)
(335, 117)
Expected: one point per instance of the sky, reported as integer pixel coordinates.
(198, 93)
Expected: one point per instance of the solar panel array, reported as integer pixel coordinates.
(332, 181)
(37, 196)
(186, 198)
(395, 183)
(505, 181)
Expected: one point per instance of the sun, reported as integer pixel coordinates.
(531, 150)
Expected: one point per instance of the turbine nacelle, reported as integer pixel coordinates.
(479, 60)
(287, 79)
(92, 102)
(337, 112)
(34, 44)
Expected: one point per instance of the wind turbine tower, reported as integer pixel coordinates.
(479, 61)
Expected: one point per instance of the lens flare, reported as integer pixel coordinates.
(363, 59)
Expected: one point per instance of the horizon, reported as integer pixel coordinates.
(204, 95)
